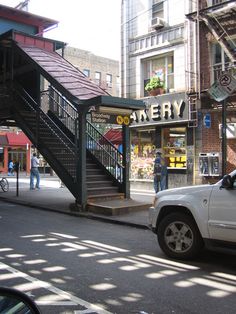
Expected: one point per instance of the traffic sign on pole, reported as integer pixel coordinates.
(223, 87)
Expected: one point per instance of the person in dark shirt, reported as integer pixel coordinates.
(159, 173)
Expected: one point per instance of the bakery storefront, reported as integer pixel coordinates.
(163, 126)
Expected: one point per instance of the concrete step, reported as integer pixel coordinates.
(113, 207)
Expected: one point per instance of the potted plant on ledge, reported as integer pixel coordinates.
(155, 86)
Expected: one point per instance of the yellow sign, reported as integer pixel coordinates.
(119, 119)
(126, 120)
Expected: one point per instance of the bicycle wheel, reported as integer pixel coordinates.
(4, 184)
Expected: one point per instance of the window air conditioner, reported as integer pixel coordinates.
(157, 23)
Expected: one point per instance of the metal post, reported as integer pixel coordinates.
(80, 127)
(224, 139)
(126, 160)
(17, 177)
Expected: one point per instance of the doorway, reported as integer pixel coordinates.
(19, 155)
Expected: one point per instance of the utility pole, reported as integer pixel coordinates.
(224, 139)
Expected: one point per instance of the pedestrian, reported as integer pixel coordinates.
(10, 168)
(159, 173)
(34, 172)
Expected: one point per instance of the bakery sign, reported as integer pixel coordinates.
(162, 109)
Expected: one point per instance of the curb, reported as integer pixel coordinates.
(77, 214)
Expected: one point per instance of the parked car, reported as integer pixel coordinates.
(188, 218)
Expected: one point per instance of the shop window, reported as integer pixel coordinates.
(174, 147)
(161, 67)
(143, 151)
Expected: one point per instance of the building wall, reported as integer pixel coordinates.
(85, 60)
(141, 43)
(6, 25)
(211, 140)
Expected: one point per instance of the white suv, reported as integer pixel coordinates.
(187, 218)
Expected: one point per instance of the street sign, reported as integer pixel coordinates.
(98, 117)
(223, 87)
(207, 120)
(228, 83)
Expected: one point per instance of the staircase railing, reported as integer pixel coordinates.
(63, 109)
(67, 144)
(101, 148)
(105, 152)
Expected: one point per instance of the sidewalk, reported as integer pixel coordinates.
(54, 198)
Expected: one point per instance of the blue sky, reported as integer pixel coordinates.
(92, 25)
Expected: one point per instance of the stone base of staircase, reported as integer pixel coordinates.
(114, 207)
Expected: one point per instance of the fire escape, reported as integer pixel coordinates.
(220, 18)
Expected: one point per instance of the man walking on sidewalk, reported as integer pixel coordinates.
(34, 172)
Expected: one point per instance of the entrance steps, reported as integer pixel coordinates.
(114, 207)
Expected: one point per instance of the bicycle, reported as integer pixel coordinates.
(4, 184)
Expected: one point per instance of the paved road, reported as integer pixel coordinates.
(75, 265)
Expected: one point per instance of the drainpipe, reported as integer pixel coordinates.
(198, 55)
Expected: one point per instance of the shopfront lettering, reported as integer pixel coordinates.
(166, 111)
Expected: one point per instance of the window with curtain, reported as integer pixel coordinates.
(162, 67)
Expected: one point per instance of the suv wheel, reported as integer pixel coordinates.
(179, 237)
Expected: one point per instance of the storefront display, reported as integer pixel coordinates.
(174, 147)
(143, 150)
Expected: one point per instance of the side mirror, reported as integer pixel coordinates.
(14, 302)
(227, 182)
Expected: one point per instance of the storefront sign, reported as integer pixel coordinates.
(167, 108)
(98, 117)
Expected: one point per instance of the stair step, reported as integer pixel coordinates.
(112, 196)
(96, 177)
(102, 190)
(118, 206)
(94, 171)
(93, 184)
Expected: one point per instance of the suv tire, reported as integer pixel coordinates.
(179, 237)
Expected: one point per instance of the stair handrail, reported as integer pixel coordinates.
(104, 139)
(110, 157)
(35, 107)
(68, 112)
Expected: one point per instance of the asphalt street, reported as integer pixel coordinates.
(75, 265)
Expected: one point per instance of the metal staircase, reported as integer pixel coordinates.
(221, 35)
(53, 133)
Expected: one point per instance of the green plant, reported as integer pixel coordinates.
(155, 82)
